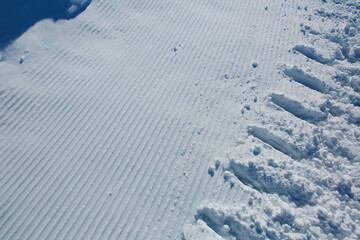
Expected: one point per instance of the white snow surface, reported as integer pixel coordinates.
(168, 119)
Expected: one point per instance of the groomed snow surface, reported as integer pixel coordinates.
(167, 119)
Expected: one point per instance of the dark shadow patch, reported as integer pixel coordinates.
(17, 16)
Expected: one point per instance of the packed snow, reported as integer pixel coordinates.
(168, 119)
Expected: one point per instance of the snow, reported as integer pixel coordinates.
(74, 6)
(185, 119)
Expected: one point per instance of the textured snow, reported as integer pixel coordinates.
(168, 119)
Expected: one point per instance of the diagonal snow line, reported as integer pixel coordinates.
(276, 142)
(305, 79)
(297, 109)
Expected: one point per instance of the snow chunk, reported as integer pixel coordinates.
(74, 6)
(298, 109)
(199, 231)
(322, 51)
(355, 83)
(285, 145)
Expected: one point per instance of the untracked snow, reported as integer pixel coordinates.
(167, 119)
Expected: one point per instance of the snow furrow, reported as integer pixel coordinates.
(297, 109)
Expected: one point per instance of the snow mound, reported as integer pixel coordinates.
(74, 6)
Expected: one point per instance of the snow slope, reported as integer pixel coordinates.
(185, 119)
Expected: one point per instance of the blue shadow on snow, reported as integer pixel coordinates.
(17, 16)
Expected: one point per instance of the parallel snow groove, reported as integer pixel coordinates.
(195, 190)
(47, 115)
(115, 196)
(157, 184)
(41, 66)
(305, 79)
(17, 118)
(9, 103)
(297, 109)
(81, 28)
(198, 168)
(276, 142)
(136, 179)
(40, 112)
(162, 172)
(188, 198)
(24, 113)
(52, 70)
(149, 220)
(18, 153)
(2, 91)
(22, 100)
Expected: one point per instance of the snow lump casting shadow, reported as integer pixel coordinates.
(17, 16)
